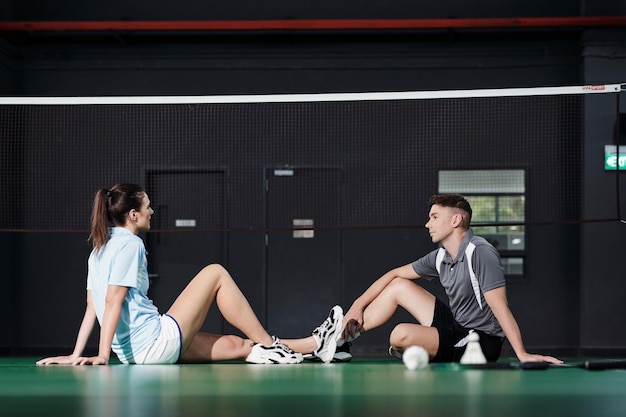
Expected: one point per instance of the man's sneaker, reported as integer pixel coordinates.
(395, 353)
(342, 354)
(274, 353)
(327, 333)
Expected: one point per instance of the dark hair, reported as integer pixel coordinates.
(456, 201)
(110, 208)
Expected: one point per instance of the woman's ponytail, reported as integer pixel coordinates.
(99, 220)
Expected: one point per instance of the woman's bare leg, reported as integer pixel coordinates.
(206, 347)
(192, 305)
(304, 345)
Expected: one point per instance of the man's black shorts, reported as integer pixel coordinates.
(450, 332)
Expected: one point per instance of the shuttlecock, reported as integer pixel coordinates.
(415, 357)
(473, 353)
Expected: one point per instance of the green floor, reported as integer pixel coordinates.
(364, 387)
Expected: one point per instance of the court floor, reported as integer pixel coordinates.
(364, 387)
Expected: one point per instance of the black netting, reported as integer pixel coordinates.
(377, 162)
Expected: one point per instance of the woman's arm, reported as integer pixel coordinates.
(112, 310)
(86, 327)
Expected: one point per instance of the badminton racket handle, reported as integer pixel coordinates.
(607, 364)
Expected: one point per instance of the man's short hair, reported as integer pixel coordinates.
(455, 201)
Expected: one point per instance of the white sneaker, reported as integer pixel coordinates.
(395, 353)
(274, 353)
(327, 333)
(342, 354)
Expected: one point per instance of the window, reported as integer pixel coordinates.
(498, 202)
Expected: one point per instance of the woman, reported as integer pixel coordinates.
(130, 324)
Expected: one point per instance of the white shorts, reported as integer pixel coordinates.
(167, 348)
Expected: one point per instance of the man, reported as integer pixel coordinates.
(474, 283)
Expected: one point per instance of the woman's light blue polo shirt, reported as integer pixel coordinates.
(122, 261)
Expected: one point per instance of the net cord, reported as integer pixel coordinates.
(318, 97)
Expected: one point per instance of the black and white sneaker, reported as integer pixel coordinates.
(327, 333)
(276, 353)
(343, 354)
(395, 353)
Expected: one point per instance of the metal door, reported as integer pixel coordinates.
(303, 248)
(188, 209)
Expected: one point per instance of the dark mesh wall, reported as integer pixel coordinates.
(385, 155)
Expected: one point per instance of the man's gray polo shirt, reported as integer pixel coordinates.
(454, 275)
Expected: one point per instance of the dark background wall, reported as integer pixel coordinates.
(573, 271)
(245, 9)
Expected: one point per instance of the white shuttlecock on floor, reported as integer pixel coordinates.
(473, 352)
(415, 357)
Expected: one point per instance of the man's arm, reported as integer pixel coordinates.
(498, 303)
(355, 314)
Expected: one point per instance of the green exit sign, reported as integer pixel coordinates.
(613, 159)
